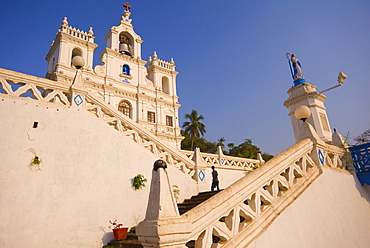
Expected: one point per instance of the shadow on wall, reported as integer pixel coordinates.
(108, 236)
(364, 190)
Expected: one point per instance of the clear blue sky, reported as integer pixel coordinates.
(230, 55)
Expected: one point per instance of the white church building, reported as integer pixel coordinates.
(145, 91)
(73, 142)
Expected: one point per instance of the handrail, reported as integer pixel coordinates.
(238, 192)
(33, 87)
(224, 161)
(334, 156)
(239, 213)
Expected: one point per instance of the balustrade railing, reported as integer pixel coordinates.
(332, 156)
(237, 215)
(44, 90)
(87, 36)
(161, 63)
(228, 162)
(244, 209)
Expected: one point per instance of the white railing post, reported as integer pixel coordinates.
(220, 155)
(163, 225)
(259, 157)
(199, 169)
(78, 91)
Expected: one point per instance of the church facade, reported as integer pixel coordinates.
(145, 91)
(74, 142)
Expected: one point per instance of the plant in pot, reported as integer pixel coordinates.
(119, 231)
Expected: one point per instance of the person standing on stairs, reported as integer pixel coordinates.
(215, 182)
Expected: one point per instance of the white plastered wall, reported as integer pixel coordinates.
(83, 182)
(333, 212)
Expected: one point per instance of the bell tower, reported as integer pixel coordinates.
(122, 54)
(122, 38)
(162, 74)
(304, 93)
(69, 42)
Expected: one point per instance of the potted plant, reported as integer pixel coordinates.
(119, 231)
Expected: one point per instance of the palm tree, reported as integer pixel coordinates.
(194, 128)
(220, 142)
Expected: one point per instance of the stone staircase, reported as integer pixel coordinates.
(195, 201)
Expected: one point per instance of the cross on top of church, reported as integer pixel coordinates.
(127, 6)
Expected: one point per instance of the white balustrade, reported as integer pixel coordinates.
(244, 208)
(224, 161)
(237, 215)
(334, 157)
(44, 90)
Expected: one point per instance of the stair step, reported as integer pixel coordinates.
(195, 201)
(130, 242)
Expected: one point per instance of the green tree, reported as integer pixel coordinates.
(186, 142)
(206, 146)
(244, 150)
(220, 142)
(194, 128)
(267, 157)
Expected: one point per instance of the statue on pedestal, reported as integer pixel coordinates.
(295, 69)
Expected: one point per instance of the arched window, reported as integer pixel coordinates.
(165, 85)
(125, 108)
(126, 70)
